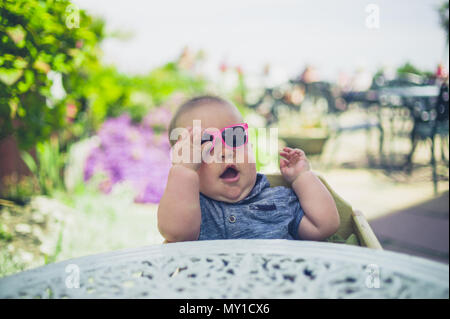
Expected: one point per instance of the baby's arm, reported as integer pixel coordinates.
(321, 218)
(179, 214)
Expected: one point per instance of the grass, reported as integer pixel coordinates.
(9, 263)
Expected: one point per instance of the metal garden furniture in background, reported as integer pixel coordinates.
(431, 119)
(427, 108)
(273, 100)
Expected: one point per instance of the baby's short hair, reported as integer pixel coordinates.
(193, 103)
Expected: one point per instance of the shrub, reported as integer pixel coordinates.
(36, 42)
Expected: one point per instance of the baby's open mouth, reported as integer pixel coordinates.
(231, 174)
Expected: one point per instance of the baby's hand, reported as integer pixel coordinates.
(184, 149)
(293, 164)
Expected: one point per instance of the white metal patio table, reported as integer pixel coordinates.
(235, 269)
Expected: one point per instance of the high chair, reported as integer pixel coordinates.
(354, 228)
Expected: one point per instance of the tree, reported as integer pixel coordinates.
(38, 39)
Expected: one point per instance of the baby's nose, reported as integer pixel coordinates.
(228, 155)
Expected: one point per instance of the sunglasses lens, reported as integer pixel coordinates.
(206, 137)
(234, 136)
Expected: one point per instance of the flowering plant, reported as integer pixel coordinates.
(134, 153)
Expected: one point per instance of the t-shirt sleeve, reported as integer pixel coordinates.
(297, 214)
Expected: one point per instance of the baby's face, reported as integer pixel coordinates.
(218, 180)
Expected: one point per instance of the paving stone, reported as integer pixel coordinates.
(405, 248)
(23, 228)
(421, 230)
(417, 230)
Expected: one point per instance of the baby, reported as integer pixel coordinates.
(222, 196)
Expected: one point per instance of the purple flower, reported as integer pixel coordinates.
(158, 118)
(133, 153)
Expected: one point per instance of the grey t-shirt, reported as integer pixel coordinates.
(266, 213)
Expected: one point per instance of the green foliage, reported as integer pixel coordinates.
(164, 81)
(95, 91)
(238, 96)
(9, 263)
(48, 169)
(408, 68)
(36, 38)
(443, 16)
(102, 92)
(36, 41)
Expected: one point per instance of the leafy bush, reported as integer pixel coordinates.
(36, 41)
(162, 82)
(41, 54)
(102, 92)
(48, 168)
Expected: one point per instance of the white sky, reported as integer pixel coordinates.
(331, 35)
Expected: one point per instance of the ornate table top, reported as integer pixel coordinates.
(235, 269)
